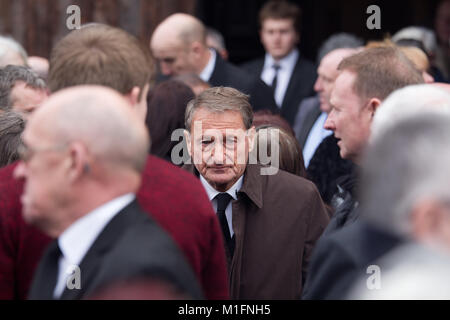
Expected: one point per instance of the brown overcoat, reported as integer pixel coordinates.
(276, 221)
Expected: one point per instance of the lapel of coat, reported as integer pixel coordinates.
(89, 266)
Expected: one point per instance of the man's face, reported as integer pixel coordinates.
(350, 117)
(327, 73)
(26, 99)
(278, 37)
(42, 169)
(173, 57)
(219, 145)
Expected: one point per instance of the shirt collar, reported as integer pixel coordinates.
(286, 63)
(76, 240)
(205, 75)
(212, 193)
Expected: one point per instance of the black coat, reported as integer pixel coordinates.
(131, 247)
(340, 258)
(228, 75)
(301, 84)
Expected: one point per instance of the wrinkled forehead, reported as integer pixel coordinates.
(206, 119)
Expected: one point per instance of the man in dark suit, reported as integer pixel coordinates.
(179, 46)
(188, 217)
(291, 76)
(80, 187)
(364, 81)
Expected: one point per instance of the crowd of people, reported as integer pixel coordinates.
(163, 171)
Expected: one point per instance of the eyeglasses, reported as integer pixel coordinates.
(26, 152)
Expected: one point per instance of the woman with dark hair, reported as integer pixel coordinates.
(166, 107)
(290, 153)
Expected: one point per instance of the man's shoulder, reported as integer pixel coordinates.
(305, 64)
(253, 66)
(291, 183)
(146, 250)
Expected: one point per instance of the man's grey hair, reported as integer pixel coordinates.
(9, 75)
(217, 37)
(11, 127)
(338, 41)
(421, 34)
(407, 101)
(220, 99)
(8, 44)
(408, 162)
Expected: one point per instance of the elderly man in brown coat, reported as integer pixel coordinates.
(270, 219)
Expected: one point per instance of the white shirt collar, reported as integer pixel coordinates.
(76, 240)
(286, 63)
(206, 74)
(212, 193)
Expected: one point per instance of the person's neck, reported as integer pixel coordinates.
(204, 60)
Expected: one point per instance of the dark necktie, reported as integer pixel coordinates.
(276, 67)
(223, 199)
(52, 268)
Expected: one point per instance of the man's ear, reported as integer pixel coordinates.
(251, 134)
(187, 136)
(373, 105)
(77, 164)
(133, 96)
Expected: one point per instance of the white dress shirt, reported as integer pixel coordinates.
(315, 137)
(207, 72)
(76, 240)
(287, 65)
(232, 192)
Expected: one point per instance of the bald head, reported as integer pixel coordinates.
(180, 27)
(328, 72)
(179, 45)
(99, 118)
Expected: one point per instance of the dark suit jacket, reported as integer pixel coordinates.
(174, 198)
(276, 221)
(342, 256)
(307, 114)
(228, 75)
(301, 84)
(130, 247)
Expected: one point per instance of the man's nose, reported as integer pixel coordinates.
(218, 154)
(329, 123)
(318, 85)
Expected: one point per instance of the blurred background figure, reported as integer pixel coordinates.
(193, 81)
(21, 90)
(290, 153)
(283, 68)
(320, 150)
(11, 127)
(178, 45)
(166, 108)
(336, 41)
(12, 52)
(424, 39)
(215, 40)
(39, 65)
(408, 196)
(290, 159)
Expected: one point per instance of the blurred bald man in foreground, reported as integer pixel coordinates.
(179, 46)
(107, 56)
(82, 191)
